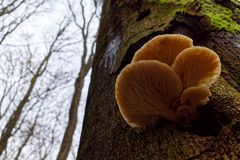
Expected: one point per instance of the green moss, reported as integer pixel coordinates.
(181, 2)
(220, 17)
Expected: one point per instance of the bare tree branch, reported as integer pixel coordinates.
(29, 135)
(14, 24)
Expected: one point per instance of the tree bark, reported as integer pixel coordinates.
(125, 26)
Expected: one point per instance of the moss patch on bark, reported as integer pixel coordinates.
(221, 17)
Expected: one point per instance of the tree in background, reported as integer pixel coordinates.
(38, 70)
(14, 12)
(14, 117)
(86, 62)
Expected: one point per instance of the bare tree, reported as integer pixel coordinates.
(40, 80)
(86, 63)
(12, 122)
(28, 136)
(15, 12)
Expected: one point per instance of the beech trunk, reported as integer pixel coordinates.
(125, 26)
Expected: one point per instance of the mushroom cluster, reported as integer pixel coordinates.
(168, 77)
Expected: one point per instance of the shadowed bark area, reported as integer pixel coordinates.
(125, 27)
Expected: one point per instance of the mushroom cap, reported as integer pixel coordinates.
(197, 66)
(163, 48)
(144, 90)
(195, 96)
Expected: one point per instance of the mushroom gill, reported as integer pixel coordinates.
(163, 48)
(144, 90)
(197, 66)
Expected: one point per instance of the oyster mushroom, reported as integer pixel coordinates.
(163, 48)
(169, 78)
(195, 96)
(144, 91)
(190, 99)
(197, 66)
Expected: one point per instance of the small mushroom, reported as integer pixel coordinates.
(197, 66)
(185, 112)
(144, 91)
(195, 96)
(163, 48)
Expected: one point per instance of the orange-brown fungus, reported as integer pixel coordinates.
(144, 90)
(195, 96)
(163, 48)
(197, 66)
(169, 78)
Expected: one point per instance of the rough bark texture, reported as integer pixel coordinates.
(125, 27)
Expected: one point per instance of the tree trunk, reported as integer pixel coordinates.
(125, 26)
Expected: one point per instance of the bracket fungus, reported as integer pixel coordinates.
(168, 77)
